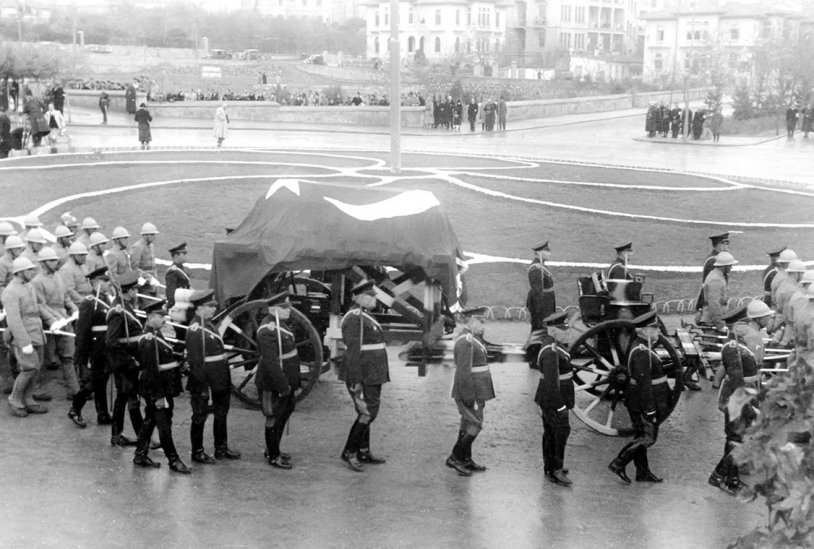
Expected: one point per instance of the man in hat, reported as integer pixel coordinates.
(160, 382)
(14, 247)
(121, 342)
(769, 273)
(278, 376)
(647, 398)
(89, 226)
(540, 301)
(91, 352)
(471, 388)
(36, 241)
(720, 243)
(117, 258)
(364, 371)
(62, 246)
(555, 396)
(6, 230)
(24, 335)
(56, 311)
(176, 276)
(783, 261)
(208, 372)
(74, 273)
(742, 358)
(70, 222)
(96, 251)
(142, 258)
(789, 286)
(716, 290)
(618, 268)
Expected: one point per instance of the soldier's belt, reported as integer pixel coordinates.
(289, 354)
(167, 366)
(562, 377)
(750, 379)
(484, 368)
(215, 358)
(548, 290)
(372, 347)
(662, 379)
(101, 328)
(131, 339)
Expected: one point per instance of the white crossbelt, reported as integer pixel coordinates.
(484, 368)
(131, 339)
(167, 366)
(215, 358)
(662, 379)
(98, 329)
(750, 379)
(290, 354)
(372, 347)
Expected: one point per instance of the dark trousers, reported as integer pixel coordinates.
(277, 410)
(199, 400)
(367, 404)
(733, 429)
(645, 434)
(161, 418)
(93, 381)
(556, 429)
(472, 124)
(126, 397)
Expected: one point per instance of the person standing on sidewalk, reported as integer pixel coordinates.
(472, 114)
(221, 124)
(143, 119)
(471, 388)
(24, 335)
(5, 133)
(104, 106)
(502, 113)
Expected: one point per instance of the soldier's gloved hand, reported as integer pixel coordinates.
(59, 324)
(161, 403)
(153, 282)
(141, 281)
(28, 349)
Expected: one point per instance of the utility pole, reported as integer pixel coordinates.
(687, 119)
(395, 89)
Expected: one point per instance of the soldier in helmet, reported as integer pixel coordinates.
(96, 251)
(35, 240)
(716, 290)
(64, 238)
(6, 230)
(90, 357)
(70, 222)
(769, 273)
(783, 261)
(647, 398)
(14, 247)
(789, 286)
(117, 257)
(74, 273)
(364, 371)
(618, 268)
(30, 222)
(89, 226)
(24, 335)
(471, 388)
(555, 396)
(794, 316)
(742, 358)
(142, 258)
(121, 342)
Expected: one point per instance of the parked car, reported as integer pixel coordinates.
(219, 54)
(250, 55)
(315, 59)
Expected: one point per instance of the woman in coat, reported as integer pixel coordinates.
(143, 118)
(221, 124)
(56, 124)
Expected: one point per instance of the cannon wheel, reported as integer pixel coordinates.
(598, 399)
(239, 326)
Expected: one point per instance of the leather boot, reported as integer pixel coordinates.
(179, 467)
(645, 474)
(617, 466)
(143, 460)
(468, 462)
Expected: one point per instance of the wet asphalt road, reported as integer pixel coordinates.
(66, 487)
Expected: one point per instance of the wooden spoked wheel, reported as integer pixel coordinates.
(238, 327)
(595, 355)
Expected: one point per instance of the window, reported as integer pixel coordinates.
(660, 33)
(497, 20)
(437, 17)
(734, 33)
(541, 39)
(658, 62)
(457, 44)
(579, 41)
(410, 15)
(377, 19)
(386, 16)
(457, 18)
(437, 44)
(469, 16)
(304, 3)
(565, 40)
(410, 44)
(376, 44)
(579, 14)
(565, 13)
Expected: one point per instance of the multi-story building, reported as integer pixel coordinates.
(329, 11)
(683, 41)
(439, 28)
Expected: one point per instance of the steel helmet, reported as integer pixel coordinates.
(724, 259)
(97, 238)
(68, 220)
(14, 241)
(77, 248)
(32, 221)
(786, 256)
(796, 266)
(148, 228)
(89, 224)
(120, 232)
(21, 264)
(35, 235)
(757, 309)
(62, 231)
(46, 254)
(810, 292)
(808, 277)
(6, 229)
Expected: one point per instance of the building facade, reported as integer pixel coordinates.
(439, 29)
(687, 41)
(328, 11)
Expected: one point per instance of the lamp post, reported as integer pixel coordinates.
(395, 89)
(687, 119)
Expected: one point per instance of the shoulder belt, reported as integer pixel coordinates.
(174, 268)
(373, 320)
(271, 326)
(735, 345)
(356, 312)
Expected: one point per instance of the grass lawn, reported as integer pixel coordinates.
(198, 212)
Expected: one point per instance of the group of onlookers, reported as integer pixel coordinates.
(804, 115)
(448, 113)
(662, 120)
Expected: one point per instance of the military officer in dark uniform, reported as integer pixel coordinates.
(176, 278)
(471, 388)
(555, 396)
(647, 398)
(208, 372)
(742, 357)
(278, 376)
(160, 382)
(769, 273)
(618, 268)
(121, 342)
(90, 356)
(364, 371)
(720, 243)
(540, 301)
